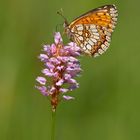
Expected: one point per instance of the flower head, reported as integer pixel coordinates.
(61, 67)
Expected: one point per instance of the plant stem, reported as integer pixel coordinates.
(53, 125)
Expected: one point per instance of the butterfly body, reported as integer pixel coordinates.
(92, 31)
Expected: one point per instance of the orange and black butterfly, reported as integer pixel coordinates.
(92, 31)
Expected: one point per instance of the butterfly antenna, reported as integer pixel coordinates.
(61, 14)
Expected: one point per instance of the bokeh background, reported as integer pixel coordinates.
(108, 100)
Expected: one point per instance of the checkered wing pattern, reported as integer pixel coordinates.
(92, 31)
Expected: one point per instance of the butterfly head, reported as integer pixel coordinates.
(66, 26)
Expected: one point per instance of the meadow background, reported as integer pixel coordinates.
(107, 104)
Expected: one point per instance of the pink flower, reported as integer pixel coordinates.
(61, 67)
(41, 80)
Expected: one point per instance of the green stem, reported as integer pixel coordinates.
(53, 125)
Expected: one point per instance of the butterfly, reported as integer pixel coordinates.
(92, 31)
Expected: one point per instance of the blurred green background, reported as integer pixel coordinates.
(107, 103)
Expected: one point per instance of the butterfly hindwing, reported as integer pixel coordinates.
(92, 31)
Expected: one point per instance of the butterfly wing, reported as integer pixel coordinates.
(92, 30)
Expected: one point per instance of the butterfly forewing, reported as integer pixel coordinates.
(92, 31)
